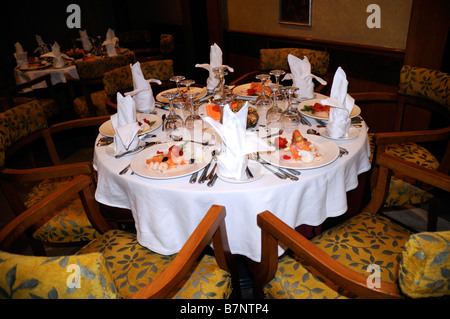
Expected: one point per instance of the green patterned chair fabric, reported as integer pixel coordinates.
(121, 78)
(425, 83)
(49, 106)
(26, 277)
(425, 265)
(98, 99)
(94, 69)
(134, 266)
(69, 225)
(356, 244)
(276, 59)
(166, 43)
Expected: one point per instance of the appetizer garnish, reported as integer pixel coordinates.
(317, 107)
(301, 149)
(165, 161)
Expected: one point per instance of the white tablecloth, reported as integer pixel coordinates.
(57, 75)
(167, 211)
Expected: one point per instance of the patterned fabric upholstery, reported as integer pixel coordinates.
(121, 78)
(133, 266)
(31, 277)
(19, 122)
(276, 59)
(357, 245)
(426, 83)
(425, 265)
(166, 43)
(69, 225)
(49, 106)
(98, 99)
(94, 69)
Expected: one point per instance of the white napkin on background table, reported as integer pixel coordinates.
(233, 160)
(110, 42)
(342, 106)
(125, 125)
(87, 45)
(42, 47)
(142, 93)
(215, 61)
(302, 77)
(21, 56)
(58, 57)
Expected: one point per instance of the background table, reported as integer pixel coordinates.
(167, 211)
(57, 75)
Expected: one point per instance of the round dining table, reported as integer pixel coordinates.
(166, 211)
(57, 75)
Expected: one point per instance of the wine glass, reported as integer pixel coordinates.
(273, 115)
(173, 121)
(193, 121)
(263, 99)
(221, 88)
(280, 96)
(290, 119)
(186, 105)
(177, 79)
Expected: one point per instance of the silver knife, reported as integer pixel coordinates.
(213, 180)
(205, 172)
(139, 148)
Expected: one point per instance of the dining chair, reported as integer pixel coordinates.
(420, 90)
(114, 265)
(143, 44)
(91, 100)
(121, 79)
(277, 59)
(31, 168)
(14, 95)
(367, 256)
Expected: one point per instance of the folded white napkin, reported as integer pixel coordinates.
(302, 77)
(339, 120)
(42, 47)
(233, 160)
(110, 42)
(87, 45)
(58, 57)
(125, 125)
(142, 93)
(21, 56)
(215, 61)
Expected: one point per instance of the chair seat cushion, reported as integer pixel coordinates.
(99, 101)
(67, 277)
(360, 242)
(425, 265)
(293, 281)
(68, 225)
(134, 266)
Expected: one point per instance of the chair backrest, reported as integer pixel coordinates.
(18, 123)
(94, 69)
(276, 59)
(121, 78)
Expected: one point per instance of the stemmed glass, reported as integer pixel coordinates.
(187, 84)
(173, 121)
(274, 113)
(277, 74)
(193, 121)
(220, 73)
(263, 99)
(290, 120)
(177, 79)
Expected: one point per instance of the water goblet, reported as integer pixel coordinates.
(193, 121)
(173, 121)
(277, 74)
(221, 89)
(273, 115)
(290, 119)
(263, 99)
(177, 79)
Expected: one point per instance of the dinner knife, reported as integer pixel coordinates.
(213, 180)
(205, 171)
(139, 148)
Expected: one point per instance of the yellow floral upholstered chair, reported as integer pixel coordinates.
(368, 256)
(24, 129)
(276, 59)
(90, 72)
(115, 265)
(121, 79)
(419, 88)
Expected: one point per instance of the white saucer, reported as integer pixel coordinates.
(352, 134)
(254, 167)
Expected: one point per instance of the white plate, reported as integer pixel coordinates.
(201, 91)
(202, 158)
(112, 152)
(254, 167)
(241, 91)
(323, 115)
(107, 129)
(352, 133)
(328, 149)
(43, 65)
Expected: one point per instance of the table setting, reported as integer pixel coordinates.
(165, 173)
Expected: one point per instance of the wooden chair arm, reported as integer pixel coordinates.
(79, 185)
(42, 173)
(78, 123)
(70, 77)
(42, 78)
(374, 97)
(247, 78)
(212, 225)
(412, 136)
(348, 279)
